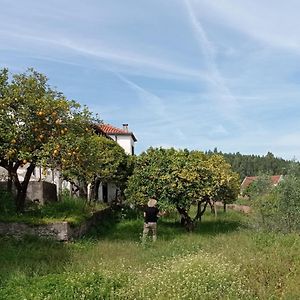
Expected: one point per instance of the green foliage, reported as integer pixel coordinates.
(278, 209)
(69, 285)
(7, 206)
(178, 178)
(35, 120)
(69, 209)
(220, 260)
(39, 126)
(288, 195)
(226, 185)
(32, 114)
(259, 187)
(253, 165)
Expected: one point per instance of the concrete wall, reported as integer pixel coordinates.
(43, 191)
(60, 231)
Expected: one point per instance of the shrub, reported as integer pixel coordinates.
(7, 205)
(288, 194)
(279, 209)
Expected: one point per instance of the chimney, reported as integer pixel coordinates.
(125, 127)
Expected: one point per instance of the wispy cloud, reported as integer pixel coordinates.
(192, 73)
(133, 60)
(226, 100)
(151, 102)
(276, 26)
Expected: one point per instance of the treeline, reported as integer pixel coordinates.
(253, 165)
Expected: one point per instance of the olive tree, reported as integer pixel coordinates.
(87, 159)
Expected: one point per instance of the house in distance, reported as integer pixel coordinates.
(250, 179)
(123, 137)
(108, 191)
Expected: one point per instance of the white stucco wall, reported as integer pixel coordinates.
(125, 141)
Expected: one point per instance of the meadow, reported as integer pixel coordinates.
(224, 258)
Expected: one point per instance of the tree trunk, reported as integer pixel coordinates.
(186, 220)
(9, 184)
(20, 199)
(83, 190)
(200, 210)
(21, 187)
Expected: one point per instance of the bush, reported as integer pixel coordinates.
(7, 204)
(289, 204)
(279, 208)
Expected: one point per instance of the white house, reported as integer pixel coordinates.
(123, 137)
(107, 191)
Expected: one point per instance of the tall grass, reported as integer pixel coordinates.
(7, 204)
(222, 259)
(71, 209)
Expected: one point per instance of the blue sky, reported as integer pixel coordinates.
(194, 74)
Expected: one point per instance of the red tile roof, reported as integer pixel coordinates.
(111, 130)
(249, 179)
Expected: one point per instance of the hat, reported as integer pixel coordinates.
(152, 202)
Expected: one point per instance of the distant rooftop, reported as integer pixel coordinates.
(249, 179)
(111, 130)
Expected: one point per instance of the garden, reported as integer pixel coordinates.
(223, 258)
(201, 252)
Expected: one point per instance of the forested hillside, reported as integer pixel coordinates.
(252, 165)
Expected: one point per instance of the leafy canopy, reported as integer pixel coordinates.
(179, 178)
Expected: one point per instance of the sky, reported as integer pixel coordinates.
(194, 74)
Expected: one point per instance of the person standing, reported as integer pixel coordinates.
(151, 214)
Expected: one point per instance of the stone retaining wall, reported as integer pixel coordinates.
(60, 231)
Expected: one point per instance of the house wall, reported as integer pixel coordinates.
(107, 192)
(125, 141)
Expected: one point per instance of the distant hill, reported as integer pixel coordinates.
(253, 165)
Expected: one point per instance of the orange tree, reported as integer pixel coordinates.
(33, 116)
(83, 159)
(112, 163)
(226, 183)
(179, 178)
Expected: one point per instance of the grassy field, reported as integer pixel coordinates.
(222, 259)
(72, 210)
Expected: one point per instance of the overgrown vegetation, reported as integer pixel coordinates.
(276, 208)
(40, 127)
(69, 209)
(221, 259)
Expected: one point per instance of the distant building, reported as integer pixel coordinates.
(249, 179)
(108, 191)
(123, 137)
